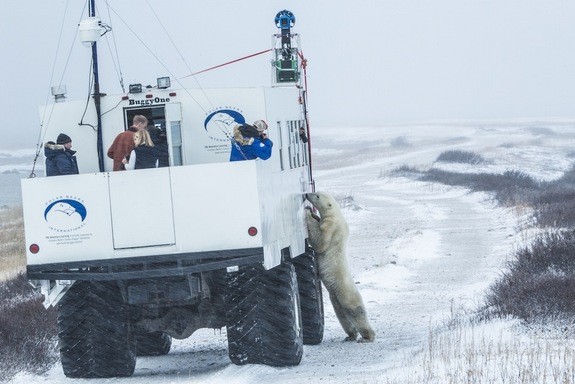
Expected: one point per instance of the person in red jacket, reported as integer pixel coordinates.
(124, 143)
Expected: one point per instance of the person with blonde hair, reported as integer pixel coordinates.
(124, 143)
(144, 155)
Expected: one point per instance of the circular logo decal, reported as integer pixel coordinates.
(65, 214)
(220, 124)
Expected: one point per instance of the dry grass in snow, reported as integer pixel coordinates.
(498, 351)
(12, 254)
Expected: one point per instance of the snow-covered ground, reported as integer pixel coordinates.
(421, 253)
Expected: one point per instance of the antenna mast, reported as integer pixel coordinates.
(99, 145)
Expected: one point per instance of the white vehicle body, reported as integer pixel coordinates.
(201, 205)
(134, 258)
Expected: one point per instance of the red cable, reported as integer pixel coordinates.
(229, 62)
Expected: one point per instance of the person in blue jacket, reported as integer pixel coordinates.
(251, 142)
(60, 158)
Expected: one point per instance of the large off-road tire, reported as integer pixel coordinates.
(152, 343)
(95, 332)
(264, 316)
(310, 297)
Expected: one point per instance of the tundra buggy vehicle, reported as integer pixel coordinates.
(132, 259)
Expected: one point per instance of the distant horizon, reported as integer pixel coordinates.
(27, 150)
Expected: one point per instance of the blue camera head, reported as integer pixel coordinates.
(285, 19)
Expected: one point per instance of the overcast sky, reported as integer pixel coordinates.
(371, 62)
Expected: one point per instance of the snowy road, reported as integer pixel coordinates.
(418, 251)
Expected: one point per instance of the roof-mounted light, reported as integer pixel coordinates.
(59, 93)
(164, 82)
(135, 88)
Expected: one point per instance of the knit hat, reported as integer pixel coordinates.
(261, 125)
(63, 139)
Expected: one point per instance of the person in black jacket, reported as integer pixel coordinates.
(60, 158)
(158, 136)
(144, 155)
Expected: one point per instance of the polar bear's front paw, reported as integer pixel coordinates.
(312, 214)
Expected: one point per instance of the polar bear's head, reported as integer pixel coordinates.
(323, 202)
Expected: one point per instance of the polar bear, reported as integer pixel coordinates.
(328, 236)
